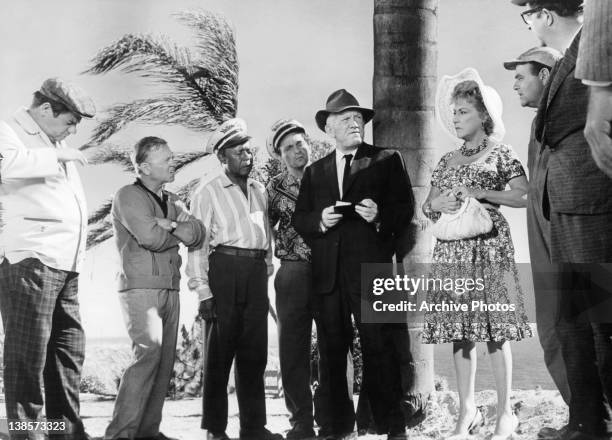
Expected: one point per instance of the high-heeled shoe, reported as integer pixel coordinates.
(515, 425)
(477, 422)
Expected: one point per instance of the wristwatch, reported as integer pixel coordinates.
(427, 208)
(173, 225)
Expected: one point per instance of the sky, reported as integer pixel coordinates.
(292, 55)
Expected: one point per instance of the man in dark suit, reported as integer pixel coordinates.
(594, 67)
(577, 197)
(374, 184)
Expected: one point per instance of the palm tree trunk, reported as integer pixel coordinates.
(405, 68)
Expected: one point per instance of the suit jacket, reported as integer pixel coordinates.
(594, 57)
(376, 173)
(574, 183)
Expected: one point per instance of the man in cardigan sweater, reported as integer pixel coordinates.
(149, 224)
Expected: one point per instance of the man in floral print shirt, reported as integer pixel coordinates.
(293, 284)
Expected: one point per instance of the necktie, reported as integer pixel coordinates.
(347, 170)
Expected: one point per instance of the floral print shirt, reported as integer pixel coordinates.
(283, 192)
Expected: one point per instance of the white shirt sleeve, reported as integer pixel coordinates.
(197, 258)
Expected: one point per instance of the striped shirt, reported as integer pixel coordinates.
(230, 219)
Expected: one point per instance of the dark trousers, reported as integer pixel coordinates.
(239, 285)
(293, 285)
(380, 353)
(545, 278)
(580, 243)
(44, 345)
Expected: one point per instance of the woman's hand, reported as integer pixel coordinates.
(445, 203)
(463, 192)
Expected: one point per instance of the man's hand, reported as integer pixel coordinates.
(70, 155)
(367, 209)
(329, 218)
(597, 128)
(208, 309)
(164, 223)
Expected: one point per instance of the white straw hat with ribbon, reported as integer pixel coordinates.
(444, 103)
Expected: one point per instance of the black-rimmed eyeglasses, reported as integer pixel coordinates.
(526, 15)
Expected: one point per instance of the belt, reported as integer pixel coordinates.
(259, 254)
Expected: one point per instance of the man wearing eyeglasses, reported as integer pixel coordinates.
(577, 198)
(594, 68)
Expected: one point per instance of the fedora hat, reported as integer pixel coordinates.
(338, 102)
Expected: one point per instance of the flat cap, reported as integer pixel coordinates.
(543, 55)
(73, 97)
(279, 130)
(229, 134)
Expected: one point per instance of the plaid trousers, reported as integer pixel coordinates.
(44, 345)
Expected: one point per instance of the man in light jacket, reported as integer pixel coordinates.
(42, 238)
(149, 224)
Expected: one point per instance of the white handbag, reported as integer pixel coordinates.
(471, 220)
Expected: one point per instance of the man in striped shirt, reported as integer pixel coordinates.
(230, 275)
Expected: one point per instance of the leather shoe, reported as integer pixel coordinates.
(549, 433)
(300, 433)
(577, 435)
(325, 434)
(264, 434)
(216, 436)
(398, 435)
(159, 436)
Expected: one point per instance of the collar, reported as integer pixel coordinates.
(290, 179)
(226, 182)
(340, 155)
(29, 125)
(163, 197)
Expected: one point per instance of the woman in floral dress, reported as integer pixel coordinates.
(481, 168)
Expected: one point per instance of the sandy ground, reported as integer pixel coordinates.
(536, 408)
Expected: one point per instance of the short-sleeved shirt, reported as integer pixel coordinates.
(283, 191)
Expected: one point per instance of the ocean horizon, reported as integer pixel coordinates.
(529, 370)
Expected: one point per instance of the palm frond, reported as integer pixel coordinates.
(184, 192)
(167, 110)
(101, 213)
(99, 233)
(181, 160)
(153, 57)
(216, 53)
(112, 153)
